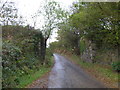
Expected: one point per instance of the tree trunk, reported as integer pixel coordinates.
(43, 50)
(45, 45)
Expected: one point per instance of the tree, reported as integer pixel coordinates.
(52, 15)
(8, 13)
(93, 23)
(96, 22)
(69, 37)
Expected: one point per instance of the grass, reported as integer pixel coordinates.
(28, 79)
(104, 73)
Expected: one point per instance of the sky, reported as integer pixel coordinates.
(27, 8)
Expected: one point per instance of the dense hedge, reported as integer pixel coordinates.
(20, 53)
(10, 58)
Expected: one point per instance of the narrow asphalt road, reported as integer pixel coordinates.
(65, 74)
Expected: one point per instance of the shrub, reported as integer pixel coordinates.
(19, 55)
(82, 46)
(11, 54)
(116, 66)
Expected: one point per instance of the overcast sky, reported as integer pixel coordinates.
(27, 8)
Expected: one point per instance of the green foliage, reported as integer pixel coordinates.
(11, 55)
(98, 25)
(82, 46)
(24, 48)
(20, 53)
(28, 79)
(15, 64)
(116, 66)
(52, 14)
(38, 41)
(69, 37)
(8, 13)
(95, 22)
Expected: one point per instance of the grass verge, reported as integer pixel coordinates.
(103, 73)
(28, 79)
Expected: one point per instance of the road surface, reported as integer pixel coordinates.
(65, 74)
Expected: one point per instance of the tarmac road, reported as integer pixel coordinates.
(65, 74)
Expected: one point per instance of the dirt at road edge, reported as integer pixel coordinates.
(41, 82)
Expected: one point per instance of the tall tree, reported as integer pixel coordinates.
(8, 13)
(96, 22)
(52, 14)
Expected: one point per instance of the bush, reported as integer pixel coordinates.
(116, 66)
(11, 54)
(82, 46)
(19, 55)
